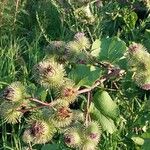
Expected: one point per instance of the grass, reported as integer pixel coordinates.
(22, 41)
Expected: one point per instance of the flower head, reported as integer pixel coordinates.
(88, 145)
(72, 137)
(49, 73)
(39, 132)
(9, 111)
(93, 132)
(14, 92)
(55, 47)
(78, 115)
(62, 116)
(146, 86)
(82, 40)
(68, 91)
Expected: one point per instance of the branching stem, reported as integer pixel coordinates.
(38, 101)
(115, 72)
(42, 104)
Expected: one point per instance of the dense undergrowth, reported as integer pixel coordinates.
(109, 33)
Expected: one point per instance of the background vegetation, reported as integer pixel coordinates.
(27, 26)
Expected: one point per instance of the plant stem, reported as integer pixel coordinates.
(38, 101)
(87, 109)
(115, 72)
(29, 109)
(43, 104)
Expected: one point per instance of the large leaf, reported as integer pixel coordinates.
(111, 50)
(84, 75)
(106, 123)
(105, 104)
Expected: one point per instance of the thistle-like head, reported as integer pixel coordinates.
(49, 73)
(39, 132)
(88, 145)
(10, 112)
(135, 48)
(142, 79)
(55, 47)
(68, 91)
(14, 92)
(82, 40)
(146, 86)
(62, 116)
(93, 132)
(27, 137)
(72, 137)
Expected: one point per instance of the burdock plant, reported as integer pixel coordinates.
(139, 63)
(49, 73)
(72, 111)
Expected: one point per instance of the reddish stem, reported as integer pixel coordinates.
(38, 101)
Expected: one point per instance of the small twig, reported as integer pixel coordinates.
(114, 72)
(43, 104)
(38, 101)
(87, 109)
(29, 109)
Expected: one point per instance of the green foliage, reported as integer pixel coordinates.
(111, 50)
(106, 122)
(87, 41)
(84, 75)
(105, 104)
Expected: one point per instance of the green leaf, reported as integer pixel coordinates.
(130, 19)
(146, 135)
(50, 147)
(96, 47)
(41, 93)
(105, 104)
(144, 118)
(91, 78)
(84, 75)
(111, 50)
(106, 123)
(138, 140)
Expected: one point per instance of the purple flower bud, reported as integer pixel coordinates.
(146, 86)
(134, 47)
(93, 135)
(69, 139)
